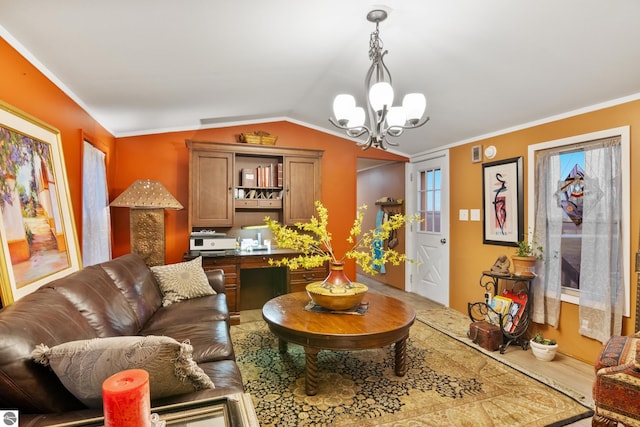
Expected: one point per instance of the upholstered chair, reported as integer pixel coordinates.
(616, 390)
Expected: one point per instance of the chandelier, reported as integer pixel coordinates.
(383, 118)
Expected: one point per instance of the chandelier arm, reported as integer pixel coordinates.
(365, 144)
(417, 125)
(354, 131)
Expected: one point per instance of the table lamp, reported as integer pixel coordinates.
(147, 200)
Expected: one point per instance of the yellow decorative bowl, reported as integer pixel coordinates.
(337, 297)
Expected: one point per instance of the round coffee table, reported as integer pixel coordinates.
(387, 321)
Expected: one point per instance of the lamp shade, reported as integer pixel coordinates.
(145, 193)
(381, 94)
(357, 117)
(343, 106)
(414, 105)
(396, 116)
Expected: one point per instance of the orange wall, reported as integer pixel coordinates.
(27, 89)
(467, 249)
(164, 157)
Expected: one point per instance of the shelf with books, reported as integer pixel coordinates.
(507, 307)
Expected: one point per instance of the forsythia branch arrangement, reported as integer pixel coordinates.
(313, 241)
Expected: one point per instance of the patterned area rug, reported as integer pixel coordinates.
(447, 384)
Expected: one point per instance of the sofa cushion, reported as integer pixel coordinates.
(42, 316)
(210, 339)
(96, 297)
(82, 366)
(181, 281)
(137, 283)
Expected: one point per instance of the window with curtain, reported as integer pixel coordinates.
(580, 215)
(96, 229)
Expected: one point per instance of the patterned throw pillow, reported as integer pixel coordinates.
(182, 281)
(82, 366)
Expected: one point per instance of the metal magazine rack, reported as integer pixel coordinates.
(508, 308)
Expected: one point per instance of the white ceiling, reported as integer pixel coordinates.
(146, 66)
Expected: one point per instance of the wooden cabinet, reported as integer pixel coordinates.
(302, 188)
(211, 188)
(228, 264)
(231, 185)
(298, 279)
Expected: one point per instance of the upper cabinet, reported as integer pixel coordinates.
(235, 185)
(211, 188)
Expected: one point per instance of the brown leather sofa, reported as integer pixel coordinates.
(116, 298)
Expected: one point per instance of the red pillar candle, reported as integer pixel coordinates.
(126, 401)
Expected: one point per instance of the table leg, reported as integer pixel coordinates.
(282, 346)
(401, 351)
(311, 370)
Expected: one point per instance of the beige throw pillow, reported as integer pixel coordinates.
(82, 366)
(182, 281)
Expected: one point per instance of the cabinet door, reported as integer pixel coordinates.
(302, 188)
(211, 201)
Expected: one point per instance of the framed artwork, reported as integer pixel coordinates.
(38, 240)
(502, 200)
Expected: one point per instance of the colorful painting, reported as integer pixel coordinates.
(38, 234)
(503, 202)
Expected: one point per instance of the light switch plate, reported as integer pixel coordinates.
(475, 214)
(464, 215)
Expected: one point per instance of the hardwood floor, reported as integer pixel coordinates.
(569, 372)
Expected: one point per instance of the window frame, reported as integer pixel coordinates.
(572, 296)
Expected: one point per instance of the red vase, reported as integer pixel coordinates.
(337, 277)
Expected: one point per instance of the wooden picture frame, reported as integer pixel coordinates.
(502, 200)
(38, 240)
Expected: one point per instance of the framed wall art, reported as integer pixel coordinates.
(502, 199)
(38, 240)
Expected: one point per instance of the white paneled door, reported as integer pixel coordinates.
(428, 195)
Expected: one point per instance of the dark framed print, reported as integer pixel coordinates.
(38, 241)
(502, 200)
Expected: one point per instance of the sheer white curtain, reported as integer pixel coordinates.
(547, 288)
(601, 277)
(96, 229)
(601, 270)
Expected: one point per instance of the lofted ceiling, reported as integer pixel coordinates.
(148, 66)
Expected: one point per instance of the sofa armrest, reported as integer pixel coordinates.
(216, 280)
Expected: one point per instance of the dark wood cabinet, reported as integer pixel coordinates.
(231, 185)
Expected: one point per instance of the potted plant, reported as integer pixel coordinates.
(543, 349)
(528, 252)
(313, 242)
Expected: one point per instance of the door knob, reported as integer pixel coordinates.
(443, 240)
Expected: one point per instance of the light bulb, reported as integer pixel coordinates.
(343, 105)
(396, 116)
(414, 105)
(381, 95)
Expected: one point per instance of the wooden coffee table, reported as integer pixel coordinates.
(387, 321)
